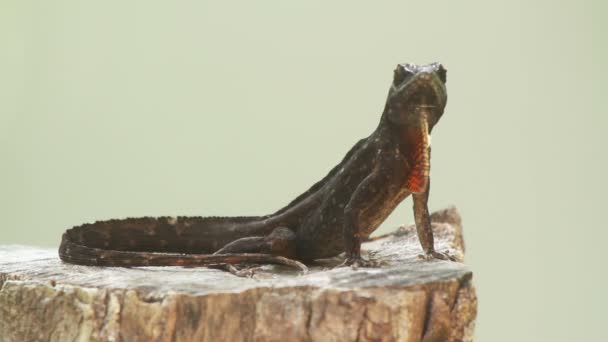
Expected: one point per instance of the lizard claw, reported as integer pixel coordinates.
(247, 272)
(356, 262)
(436, 256)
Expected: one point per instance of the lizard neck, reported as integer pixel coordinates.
(413, 141)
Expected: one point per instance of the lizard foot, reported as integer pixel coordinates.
(436, 256)
(356, 262)
(247, 272)
(226, 262)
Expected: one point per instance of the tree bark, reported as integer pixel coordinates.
(406, 299)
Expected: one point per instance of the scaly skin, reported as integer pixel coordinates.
(335, 215)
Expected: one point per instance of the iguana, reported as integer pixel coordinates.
(335, 215)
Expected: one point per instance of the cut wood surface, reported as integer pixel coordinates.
(405, 299)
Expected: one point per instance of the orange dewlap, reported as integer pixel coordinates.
(417, 179)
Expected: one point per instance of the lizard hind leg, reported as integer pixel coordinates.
(280, 243)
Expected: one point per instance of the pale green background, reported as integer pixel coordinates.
(111, 109)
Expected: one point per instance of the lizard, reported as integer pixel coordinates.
(335, 215)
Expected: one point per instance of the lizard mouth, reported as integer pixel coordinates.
(418, 140)
(422, 101)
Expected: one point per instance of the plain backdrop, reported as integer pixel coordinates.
(111, 109)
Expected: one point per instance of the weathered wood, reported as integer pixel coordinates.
(406, 299)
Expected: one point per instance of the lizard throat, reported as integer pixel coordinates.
(418, 140)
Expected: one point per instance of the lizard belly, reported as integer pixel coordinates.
(374, 215)
(320, 235)
(319, 238)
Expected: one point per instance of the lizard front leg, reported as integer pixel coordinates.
(423, 226)
(369, 194)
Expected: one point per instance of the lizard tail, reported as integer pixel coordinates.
(78, 254)
(164, 241)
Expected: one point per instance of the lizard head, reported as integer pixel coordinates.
(415, 103)
(417, 94)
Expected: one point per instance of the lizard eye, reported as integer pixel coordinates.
(401, 74)
(442, 73)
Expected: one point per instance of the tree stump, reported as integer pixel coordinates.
(406, 299)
